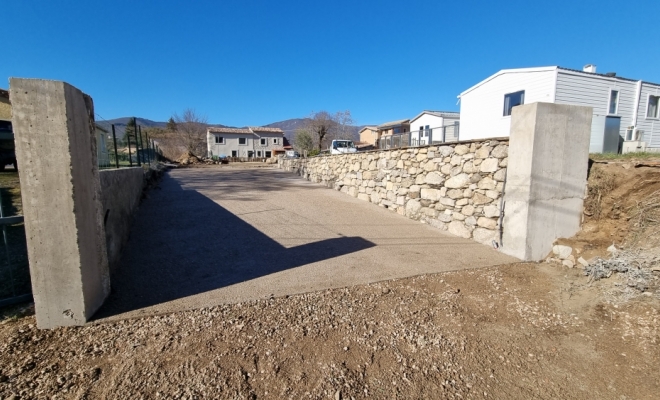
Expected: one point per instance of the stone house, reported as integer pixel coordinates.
(250, 142)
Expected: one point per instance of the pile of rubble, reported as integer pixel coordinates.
(639, 269)
(564, 255)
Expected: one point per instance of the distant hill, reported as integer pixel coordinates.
(289, 126)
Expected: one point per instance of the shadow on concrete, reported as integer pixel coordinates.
(182, 243)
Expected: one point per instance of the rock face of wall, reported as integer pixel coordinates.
(455, 187)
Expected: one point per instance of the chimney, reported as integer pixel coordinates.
(589, 68)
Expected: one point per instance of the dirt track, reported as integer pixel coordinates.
(520, 331)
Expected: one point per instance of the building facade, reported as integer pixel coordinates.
(250, 142)
(629, 107)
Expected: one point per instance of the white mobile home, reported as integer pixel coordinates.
(434, 127)
(627, 106)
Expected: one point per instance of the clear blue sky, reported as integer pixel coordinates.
(253, 62)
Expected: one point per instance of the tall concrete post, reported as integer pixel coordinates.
(56, 151)
(546, 177)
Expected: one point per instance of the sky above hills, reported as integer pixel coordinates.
(253, 62)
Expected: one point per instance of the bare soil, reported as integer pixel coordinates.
(519, 331)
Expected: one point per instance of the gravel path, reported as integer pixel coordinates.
(211, 236)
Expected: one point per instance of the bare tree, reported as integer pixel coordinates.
(323, 126)
(344, 122)
(191, 131)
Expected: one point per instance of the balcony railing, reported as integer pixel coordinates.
(442, 134)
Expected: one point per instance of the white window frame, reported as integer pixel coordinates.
(510, 109)
(609, 102)
(242, 144)
(275, 141)
(219, 139)
(263, 141)
(258, 153)
(657, 107)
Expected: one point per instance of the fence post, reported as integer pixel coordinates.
(114, 140)
(59, 173)
(130, 159)
(146, 135)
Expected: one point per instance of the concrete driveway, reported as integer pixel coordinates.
(209, 236)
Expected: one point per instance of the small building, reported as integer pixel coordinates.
(250, 142)
(625, 111)
(434, 127)
(392, 131)
(369, 135)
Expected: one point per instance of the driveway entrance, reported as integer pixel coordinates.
(209, 236)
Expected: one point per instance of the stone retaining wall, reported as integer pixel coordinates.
(455, 187)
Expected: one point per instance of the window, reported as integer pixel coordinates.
(275, 141)
(219, 140)
(258, 153)
(614, 101)
(263, 141)
(250, 154)
(421, 131)
(242, 140)
(427, 130)
(652, 109)
(234, 153)
(513, 99)
(269, 154)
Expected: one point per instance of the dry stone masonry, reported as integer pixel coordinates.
(455, 187)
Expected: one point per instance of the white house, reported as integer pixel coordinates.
(250, 142)
(627, 106)
(434, 127)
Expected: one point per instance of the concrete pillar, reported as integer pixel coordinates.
(546, 177)
(56, 150)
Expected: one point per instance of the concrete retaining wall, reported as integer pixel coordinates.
(120, 196)
(455, 187)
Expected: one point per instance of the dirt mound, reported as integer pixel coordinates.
(621, 202)
(188, 158)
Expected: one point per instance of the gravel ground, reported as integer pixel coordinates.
(516, 331)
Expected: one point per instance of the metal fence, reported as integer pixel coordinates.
(120, 146)
(437, 135)
(15, 285)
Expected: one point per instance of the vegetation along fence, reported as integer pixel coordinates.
(124, 145)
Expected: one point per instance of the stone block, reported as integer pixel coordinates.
(363, 196)
(461, 149)
(484, 236)
(489, 165)
(487, 223)
(445, 151)
(482, 152)
(433, 178)
(458, 181)
(458, 228)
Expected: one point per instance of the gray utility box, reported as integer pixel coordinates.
(605, 135)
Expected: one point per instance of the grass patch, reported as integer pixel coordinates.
(624, 157)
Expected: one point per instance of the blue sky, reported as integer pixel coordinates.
(253, 62)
